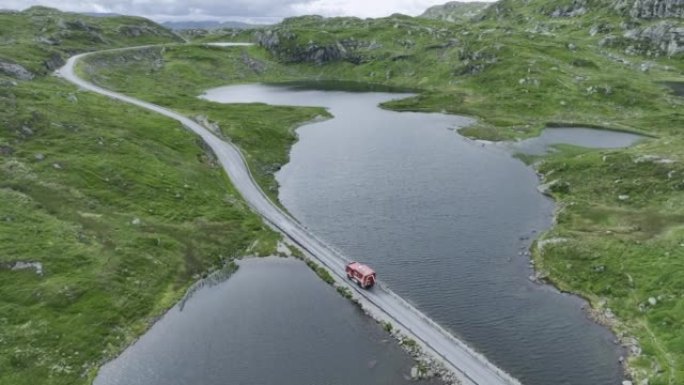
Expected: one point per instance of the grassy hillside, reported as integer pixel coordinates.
(104, 221)
(521, 66)
(175, 76)
(455, 10)
(40, 38)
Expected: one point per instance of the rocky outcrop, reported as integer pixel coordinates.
(455, 11)
(283, 44)
(651, 9)
(255, 65)
(662, 38)
(80, 25)
(139, 30)
(15, 70)
(53, 62)
(576, 8)
(72, 29)
(473, 62)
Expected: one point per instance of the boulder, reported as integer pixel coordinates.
(576, 8)
(53, 62)
(15, 70)
(6, 150)
(651, 9)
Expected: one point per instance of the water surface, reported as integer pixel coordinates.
(677, 87)
(445, 221)
(273, 322)
(582, 137)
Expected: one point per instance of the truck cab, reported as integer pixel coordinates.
(362, 274)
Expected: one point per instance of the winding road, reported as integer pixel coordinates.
(470, 367)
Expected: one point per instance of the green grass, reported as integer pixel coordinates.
(323, 273)
(264, 133)
(123, 216)
(35, 35)
(646, 224)
(620, 215)
(622, 222)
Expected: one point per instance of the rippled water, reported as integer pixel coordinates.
(273, 322)
(445, 221)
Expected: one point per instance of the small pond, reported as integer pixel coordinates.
(273, 322)
(582, 137)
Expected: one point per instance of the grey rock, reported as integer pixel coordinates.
(576, 8)
(53, 62)
(8, 83)
(136, 222)
(664, 36)
(6, 150)
(48, 40)
(255, 65)
(80, 25)
(39, 157)
(651, 9)
(37, 266)
(599, 28)
(414, 372)
(312, 52)
(609, 41)
(26, 131)
(139, 30)
(15, 70)
(374, 45)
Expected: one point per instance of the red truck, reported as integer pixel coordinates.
(362, 274)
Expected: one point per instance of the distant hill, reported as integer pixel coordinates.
(37, 40)
(208, 24)
(455, 10)
(101, 14)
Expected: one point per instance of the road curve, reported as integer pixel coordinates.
(470, 367)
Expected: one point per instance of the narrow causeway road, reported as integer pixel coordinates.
(470, 367)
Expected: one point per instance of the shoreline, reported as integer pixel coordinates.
(601, 316)
(472, 366)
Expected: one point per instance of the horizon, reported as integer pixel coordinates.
(244, 11)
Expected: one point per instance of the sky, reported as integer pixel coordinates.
(263, 11)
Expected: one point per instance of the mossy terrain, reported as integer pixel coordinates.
(101, 224)
(175, 76)
(518, 69)
(108, 213)
(40, 38)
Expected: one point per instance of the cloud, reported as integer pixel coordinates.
(163, 10)
(364, 8)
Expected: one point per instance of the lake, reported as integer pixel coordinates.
(446, 222)
(273, 322)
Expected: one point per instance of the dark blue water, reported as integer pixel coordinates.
(445, 221)
(272, 322)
